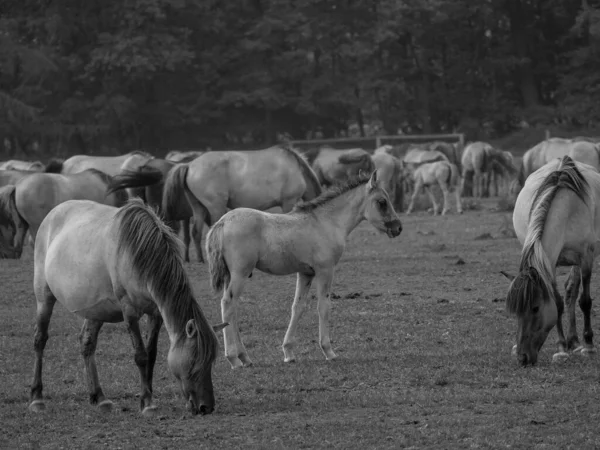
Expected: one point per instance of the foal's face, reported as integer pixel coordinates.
(379, 210)
(195, 379)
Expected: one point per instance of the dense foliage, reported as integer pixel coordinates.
(121, 74)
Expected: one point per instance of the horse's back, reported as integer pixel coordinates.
(585, 152)
(417, 155)
(71, 251)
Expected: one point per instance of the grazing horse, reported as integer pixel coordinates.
(389, 170)
(482, 161)
(24, 205)
(110, 165)
(222, 180)
(179, 156)
(15, 164)
(333, 166)
(112, 265)
(308, 241)
(149, 178)
(427, 174)
(557, 220)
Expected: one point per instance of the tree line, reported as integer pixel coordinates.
(106, 75)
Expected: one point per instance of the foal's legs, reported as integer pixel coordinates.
(434, 203)
(323, 282)
(235, 351)
(585, 303)
(303, 283)
(142, 360)
(446, 194)
(88, 338)
(572, 288)
(44, 312)
(416, 188)
(458, 193)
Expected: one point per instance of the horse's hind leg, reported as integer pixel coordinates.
(457, 193)
(571, 291)
(185, 227)
(141, 359)
(446, 194)
(585, 303)
(88, 339)
(323, 283)
(417, 188)
(155, 322)
(434, 203)
(303, 283)
(44, 312)
(235, 352)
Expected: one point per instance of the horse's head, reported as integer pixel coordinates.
(531, 301)
(193, 369)
(379, 210)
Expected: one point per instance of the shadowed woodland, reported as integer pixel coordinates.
(110, 76)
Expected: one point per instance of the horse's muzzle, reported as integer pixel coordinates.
(393, 228)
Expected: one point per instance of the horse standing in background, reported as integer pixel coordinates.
(333, 166)
(389, 170)
(110, 165)
(557, 220)
(24, 206)
(308, 241)
(426, 175)
(222, 180)
(113, 265)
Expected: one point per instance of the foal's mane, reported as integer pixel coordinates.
(155, 255)
(331, 193)
(535, 271)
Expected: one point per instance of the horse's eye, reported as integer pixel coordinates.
(382, 203)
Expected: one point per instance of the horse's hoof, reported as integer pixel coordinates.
(149, 411)
(105, 406)
(235, 362)
(247, 364)
(514, 350)
(560, 357)
(588, 351)
(37, 406)
(331, 357)
(290, 359)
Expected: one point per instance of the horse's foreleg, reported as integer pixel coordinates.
(185, 227)
(235, 352)
(571, 291)
(155, 322)
(458, 194)
(303, 283)
(88, 339)
(561, 341)
(477, 184)
(323, 283)
(141, 360)
(44, 312)
(196, 234)
(416, 188)
(435, 206)
(446, 194)
(585, 303)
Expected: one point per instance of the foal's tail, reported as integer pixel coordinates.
(217, 266)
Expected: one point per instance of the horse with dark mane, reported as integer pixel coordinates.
(308, 241)
(557, 220)
(109, 264)
(110, 165)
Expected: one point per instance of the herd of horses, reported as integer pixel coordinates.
(97, 225)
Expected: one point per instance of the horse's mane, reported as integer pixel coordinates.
(331, 193)
(535, 271)
(120, 195)
(142, 237)
(309, 174)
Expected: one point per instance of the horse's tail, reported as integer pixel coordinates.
(217, 266)
(55, 165)
(314, 188)
(145, 176)
(454, 176)
(9, 215)
(174, 190)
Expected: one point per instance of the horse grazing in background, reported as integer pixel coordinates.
(222, 180)
(24, 205)
(333, 166)
(586, 152)
(427, 174)
(308, 241)
(481, 161)
(179, 156)
(557, 220)
(389, 170)
(110, 165)
(147, 181)
(15, 164)
(113, 265)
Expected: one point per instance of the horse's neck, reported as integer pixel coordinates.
(346, 211)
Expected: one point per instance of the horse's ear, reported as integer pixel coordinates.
(219, 327)
(507, 275)
(190, 328)
(372, 184)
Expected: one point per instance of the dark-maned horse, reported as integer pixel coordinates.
(112, 265)
(480, 160)
(222, 180)
(557, 220)
(24, 205)
(110, 165)
(333, 166)
(149, 177)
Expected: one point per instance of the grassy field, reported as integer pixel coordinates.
(424, 360)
